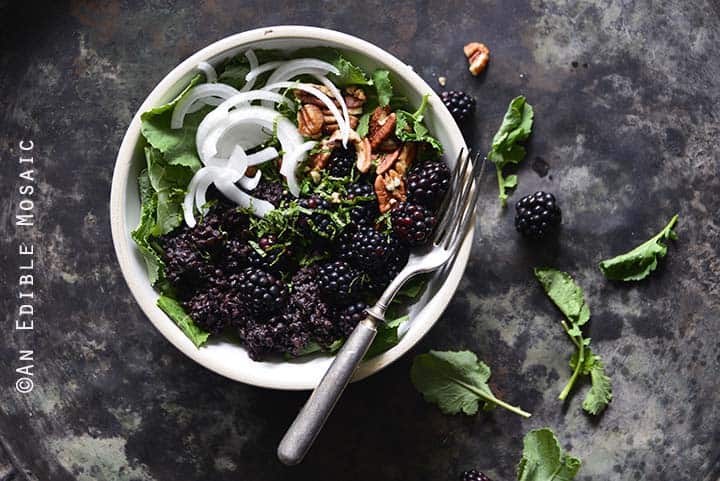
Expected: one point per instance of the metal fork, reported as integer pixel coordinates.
(459, 212)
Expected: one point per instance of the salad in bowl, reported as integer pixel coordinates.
(280, 191)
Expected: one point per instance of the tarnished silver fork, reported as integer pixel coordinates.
(458, 210)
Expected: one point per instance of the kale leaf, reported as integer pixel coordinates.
(516, 127)
(456, 382)
(544, 460)
(570, 300)
(175, 311)
(642, 260)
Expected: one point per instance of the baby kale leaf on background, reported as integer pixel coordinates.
(544, 460)
(642, 260)
(456, 382)
(516, 127)
(570, 300)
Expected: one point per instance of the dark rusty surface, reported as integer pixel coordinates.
(626, 96)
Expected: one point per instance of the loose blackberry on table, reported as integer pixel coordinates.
(460, 104)
(474, 475)
(537, 215)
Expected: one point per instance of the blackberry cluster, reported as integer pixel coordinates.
(474, 475)
(216, 308)
(339, 281)
(427, 183)
(261, 291)
(412, 223)
(307, 302)
(280, 334)
(365, 209)
(460, 104)
(272, 192)
(341, 161)
(537, 215)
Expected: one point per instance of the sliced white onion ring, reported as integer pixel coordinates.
(254, 73)
(262, 156)
(198, 186)
(231, 191)
(296, 67)
(198, 93)
(290, 163)
(253, 60)
(208, 70)
(344, 127)
(218, 116)
(249, 183)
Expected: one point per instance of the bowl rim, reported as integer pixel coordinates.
(121, 177)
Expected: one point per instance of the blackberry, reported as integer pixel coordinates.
(272, 192)
(308, 306)
(260, 290)
(338, 281)
(341, 161)
(318, 224)
(349, 316)
(380, 280)
(427, 183)
(369, 250)
(412, 223)
(236, 256)
(280, 334)
(537, 215)
(460, 104)
(213, 310)
(474, 475)
(365, 209)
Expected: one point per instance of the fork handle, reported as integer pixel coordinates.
(300, 436)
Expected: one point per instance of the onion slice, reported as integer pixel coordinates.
(208, 70)
(255, 72)
(262, 156)
(253, 60)
(291, 162)
(231, 191)
(296, 67)
(249, 183)
(199, 93)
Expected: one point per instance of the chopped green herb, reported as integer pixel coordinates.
(410, 127)
(642, 260)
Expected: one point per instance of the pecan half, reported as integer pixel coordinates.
(364, 155)
(478, 56)
(382, 125)
(388, 160)
(355, 97)
(406, 157)
(310, 121)
(332, 126)
(383, 196)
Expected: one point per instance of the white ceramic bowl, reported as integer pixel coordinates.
(226, 358)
